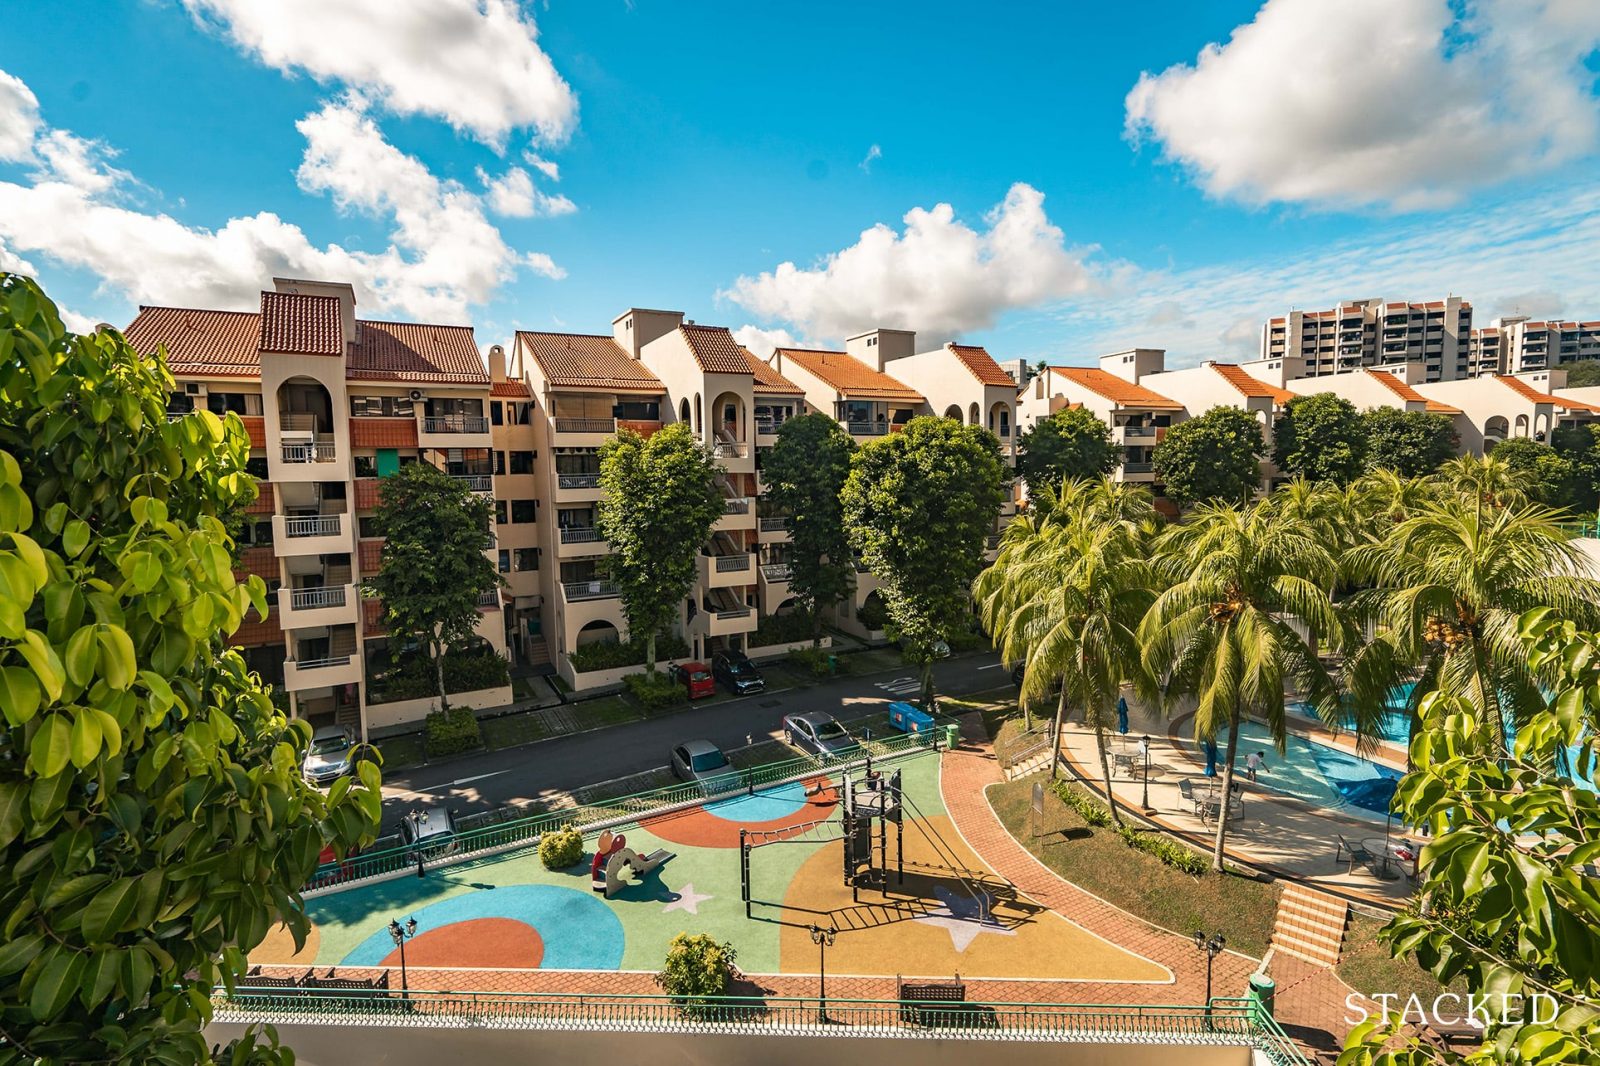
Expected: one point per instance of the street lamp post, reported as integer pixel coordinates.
(823, 938)
(400, 934)
(1212, 947)
(1144, 749)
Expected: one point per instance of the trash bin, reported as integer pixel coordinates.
(952, 735)
(833, 664)
(1264, 991)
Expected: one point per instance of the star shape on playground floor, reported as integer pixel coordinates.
(963, 931)
(688, 900)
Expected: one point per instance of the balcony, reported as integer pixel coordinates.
(328, 605)
(738, 513)
(727, 571)
(767, 430)
(577, 488)
(489, 600)
(476, 482)
(727, 449)
(320, 534)
(578, 591)
(579, 541)
(309, 451)
(773, 587)
(774, 530)
(1138, 471)
(866, 429)
(453, 431)
(581, 432)
(299, 675)
(725, 623)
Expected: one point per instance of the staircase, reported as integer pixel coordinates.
(1029, 752)
(539, 656)
(1311, 925)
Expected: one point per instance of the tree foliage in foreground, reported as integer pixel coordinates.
(1213, 458)
(1510, 910)
(920, 505)
(153, 818)
(1074, 444)
(1320, 438)
(805, 472)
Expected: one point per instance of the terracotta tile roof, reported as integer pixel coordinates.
(215, 343)
(715, 349)
(767, 380)
(1120, 392)
(981, 365)
(1407, 393)
(412, 351)
(1247, 385)
(1528, 392)
(383, 432)
(517, 389)
(587, 361)
(850, 376)
(300, 324)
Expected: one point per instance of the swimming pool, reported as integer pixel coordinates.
(1318, 774)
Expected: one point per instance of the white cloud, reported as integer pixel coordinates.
(444, 256)
(873, 153)
(476, 64)
(939, 275)
(19, 119)
(1396, 103)
(762, 341)
(13, 263)
(513, 194)
(540, 263)
(548, 167)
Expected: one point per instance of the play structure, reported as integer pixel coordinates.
(873, 806)
(616, 865)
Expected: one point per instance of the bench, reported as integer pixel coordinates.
(912, 994)
(1355, 852)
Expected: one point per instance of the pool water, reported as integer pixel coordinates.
(1319, 775)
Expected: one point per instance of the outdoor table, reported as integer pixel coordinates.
(1386, 848)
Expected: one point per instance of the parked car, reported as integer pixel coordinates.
(818, 733)
(328, 758)
(703, 762)
(734, 669)
(695, 678)
(431, 832)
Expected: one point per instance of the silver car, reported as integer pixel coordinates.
(818, 733)
(329, 756)
(703, 762)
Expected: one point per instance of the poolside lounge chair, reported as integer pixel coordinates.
(1352, 854)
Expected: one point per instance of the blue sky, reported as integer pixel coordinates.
(1159, 173)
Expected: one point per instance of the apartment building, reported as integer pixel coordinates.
(1138, 416)
(1497, 407)
(1528, 345)
(332, 404)
(1359, 334)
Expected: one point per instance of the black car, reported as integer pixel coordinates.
(734, 669)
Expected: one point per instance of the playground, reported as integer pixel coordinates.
(878, 859)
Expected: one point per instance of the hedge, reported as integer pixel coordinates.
(414, 678)
(1097, 814)
(783, 629)
(611, 654)
(654, 691)
(819, 661)
(452, 732)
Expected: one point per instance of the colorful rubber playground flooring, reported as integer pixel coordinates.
(509, 912)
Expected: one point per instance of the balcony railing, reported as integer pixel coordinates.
(729, 564)
(723, 449)
(992, 543)
(579, 535)
(317, 525)
(317, 598)
(489, 599)
(1138, 468)
(775, 571)
(766, 425)
(585, 425)
(736, 505)
(578, 481)
(476, 482)
(173, 416)
(1138, 431)
(588, 590)
(319, 451)
(776, 525)
(455, 424)
(734, 612)
(320, 664)
(866, 429)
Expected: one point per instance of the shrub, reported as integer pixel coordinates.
(697, 967)
(654, 691)
(783, 629)
(1168, 851)
(413, 678)
(817, 661)
(1091, 811)
(452, 732)
(611, 654)
(473, 671)
(561, 849)
(873, 614)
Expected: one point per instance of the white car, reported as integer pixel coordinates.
(329, 757)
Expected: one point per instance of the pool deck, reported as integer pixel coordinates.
(1275, 832)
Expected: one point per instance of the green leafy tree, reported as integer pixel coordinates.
(1556, 480)
(1320, 437)
(1580, 445)
(1065, 597)
(1214, 457)
(1507, 889)
(659, 506)
(153, 817)
(1072, 444)
(1246, 582)
(433, 568)
(919, 506)
(804, 473)
(1584, 374)
(1411, 443)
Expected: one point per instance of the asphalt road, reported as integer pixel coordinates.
(519, 775)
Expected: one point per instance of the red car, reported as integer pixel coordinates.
(695, 678)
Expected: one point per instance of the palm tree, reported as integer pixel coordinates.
(1491, 480)
(1382, 497)
(1066, 596)
(1225, 631)
(1323, 506)
(1448, 584)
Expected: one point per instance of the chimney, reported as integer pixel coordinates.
(349, 328)
(876, 347)
(497, 363)
(637, 327)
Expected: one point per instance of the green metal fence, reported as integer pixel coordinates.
(1238, 1022)
(503, 832)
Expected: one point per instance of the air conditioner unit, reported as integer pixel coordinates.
(417, 394)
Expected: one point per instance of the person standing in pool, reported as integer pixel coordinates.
(1257, 761)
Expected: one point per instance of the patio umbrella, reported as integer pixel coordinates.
(1211, 757)
(1122, 714)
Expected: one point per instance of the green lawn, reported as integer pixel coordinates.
(400, 753)
(1367, 966)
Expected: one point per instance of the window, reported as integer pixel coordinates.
(505, 561)
(519, 414)
(499, 462)
(526, 559)
(366, 466)
(500, 512)
(382, 407)
(256, 535)
(494, 414)
(639, 410)
(240, 403)
(256, 468)
(368, 526)
(522, 462)
(524, 511)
